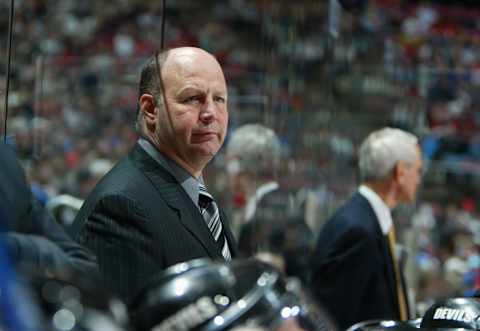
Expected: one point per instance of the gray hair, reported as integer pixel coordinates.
(381, 151)
(257, 149)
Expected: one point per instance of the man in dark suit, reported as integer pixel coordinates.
(151, 210)
(356, 273)
(37, 244)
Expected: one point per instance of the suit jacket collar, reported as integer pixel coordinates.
(188, 182)
(175, 196)
(383, 213)
(361, 203)
(252, 202)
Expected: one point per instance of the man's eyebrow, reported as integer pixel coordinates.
(188, 89)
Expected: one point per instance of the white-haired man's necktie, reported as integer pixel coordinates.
(402, 300)
(211, 215)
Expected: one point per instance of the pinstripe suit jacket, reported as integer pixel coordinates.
(138, 221)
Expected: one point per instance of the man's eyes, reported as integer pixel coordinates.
(199, 98)
(193, 98)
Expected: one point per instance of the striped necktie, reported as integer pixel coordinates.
(402, 302)
(211, 215)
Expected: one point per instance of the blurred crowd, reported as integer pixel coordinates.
(405, 63)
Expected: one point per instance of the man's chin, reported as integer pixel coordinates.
(411, 199)
(206, 150)
(200, 155)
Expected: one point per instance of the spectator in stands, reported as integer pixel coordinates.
(356, 269)
(152, 209)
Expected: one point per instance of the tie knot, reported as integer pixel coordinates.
(204, 198)
(391, 234)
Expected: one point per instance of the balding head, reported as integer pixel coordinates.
(185, 57)
(172, 61)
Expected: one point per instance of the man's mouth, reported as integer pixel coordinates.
(199, 137)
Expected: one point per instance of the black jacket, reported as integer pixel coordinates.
(352, 271)
(139, 221)
(35, 240)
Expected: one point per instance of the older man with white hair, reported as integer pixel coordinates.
(356, 273)
(270, 223)
(254, 154)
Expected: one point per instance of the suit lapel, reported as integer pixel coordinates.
(176, 198)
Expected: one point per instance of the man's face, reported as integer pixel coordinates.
(412, 178)
(196, 97)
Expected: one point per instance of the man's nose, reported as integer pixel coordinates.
(208, 112)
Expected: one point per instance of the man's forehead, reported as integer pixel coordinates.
(188, 51)
(188, 57)
(189, 66)
(182, 59)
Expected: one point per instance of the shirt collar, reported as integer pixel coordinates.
(380, 208)
(252, 201)
(186, 180)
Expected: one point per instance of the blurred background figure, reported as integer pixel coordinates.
(49, 290)
(35, 241)
(77, 303)
(18, 306)
(254, 156)
(268, 218)
(65, 206)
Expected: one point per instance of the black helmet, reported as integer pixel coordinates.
(384, 325)
(210, 296)
(454, 313)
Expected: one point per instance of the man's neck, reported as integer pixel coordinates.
(384, 191)
(195, 171)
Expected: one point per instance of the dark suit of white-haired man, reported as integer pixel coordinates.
(355, 269)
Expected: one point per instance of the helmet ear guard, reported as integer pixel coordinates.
(208, 296)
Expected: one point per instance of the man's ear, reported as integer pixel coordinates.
(148, 108)
(399, 171)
